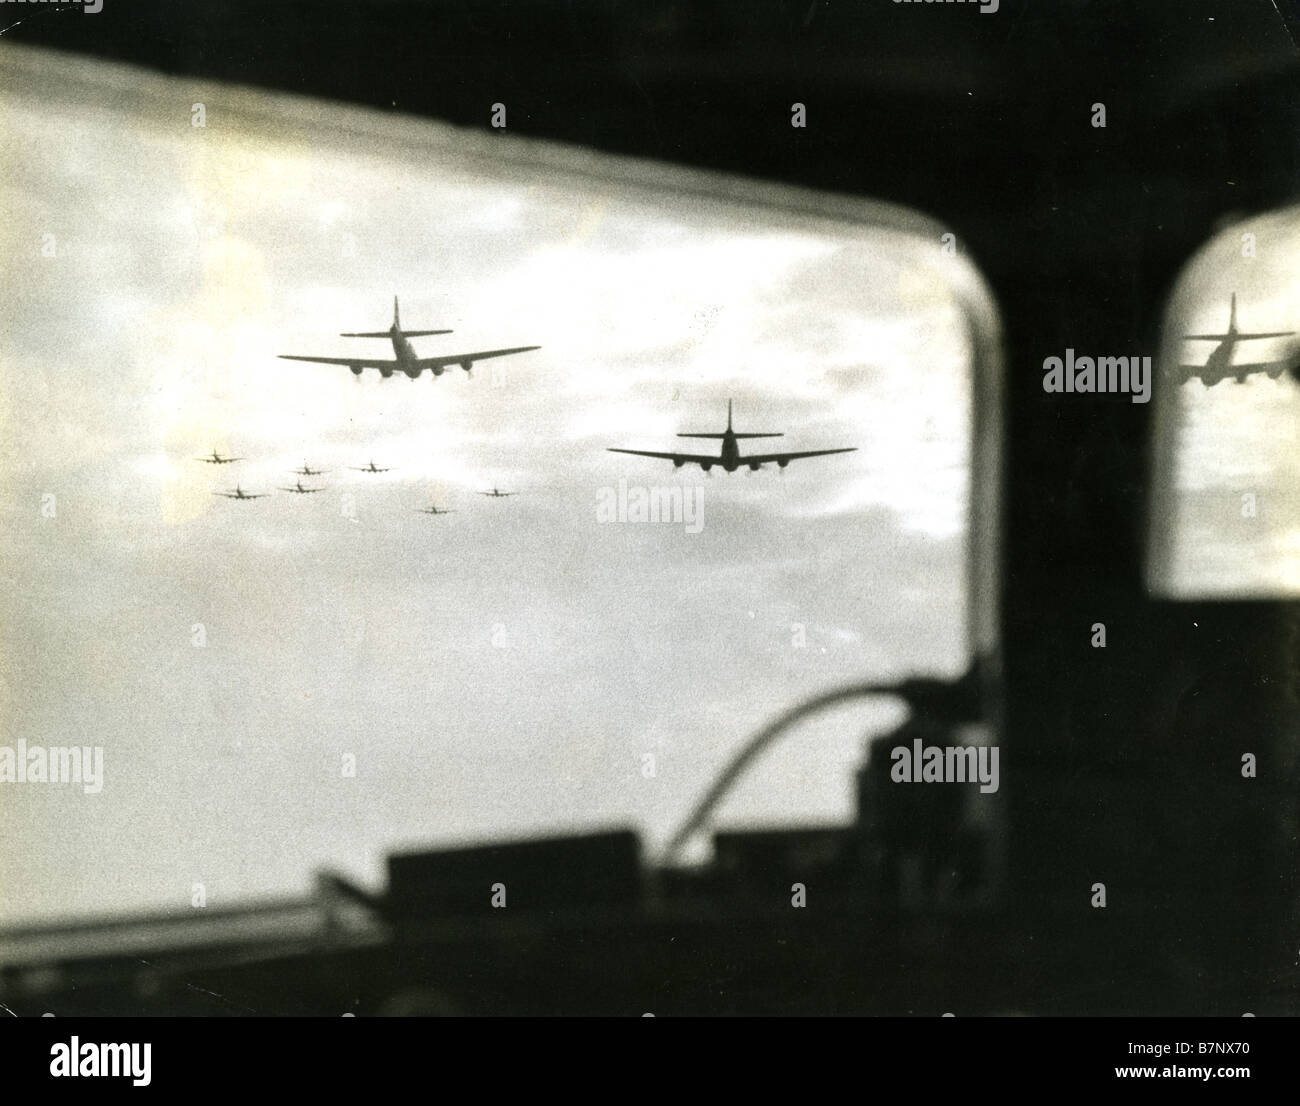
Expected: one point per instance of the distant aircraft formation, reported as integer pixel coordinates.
(1219, 365)
(298, 488)
(407, 361)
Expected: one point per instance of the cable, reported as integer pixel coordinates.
(950, 701)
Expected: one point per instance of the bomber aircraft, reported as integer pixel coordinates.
(405, 359)
(730, 458)
(239, 493)
(1219, 366)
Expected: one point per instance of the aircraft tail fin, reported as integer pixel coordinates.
(730, 431)
(734, 435)
(1233, 332)
(396, 328)
(389, 333)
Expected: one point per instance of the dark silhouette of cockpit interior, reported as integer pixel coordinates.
(1120, 766)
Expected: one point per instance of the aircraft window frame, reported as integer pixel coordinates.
(511, 156)
(1159, 561)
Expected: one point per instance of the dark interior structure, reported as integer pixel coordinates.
(1121, 764)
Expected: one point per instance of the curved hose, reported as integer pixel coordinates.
(948, 700)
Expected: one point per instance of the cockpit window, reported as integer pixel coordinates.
(576, 636)
(1226, 484)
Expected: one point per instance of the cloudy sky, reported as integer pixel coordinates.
(495, 672)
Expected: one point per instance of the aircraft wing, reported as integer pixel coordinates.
(784, 459)
(1239, 336)
(364, 362)
(1230, 372)
(465, 358)
(676, 458)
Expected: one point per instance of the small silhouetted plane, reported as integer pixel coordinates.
(434, 510)
(307, 470)
(730, 458)
(1218, 366)
(217, 459)
(239, 493)
(300, 490)
(495, 494)
(369, 467)
(406, 359)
